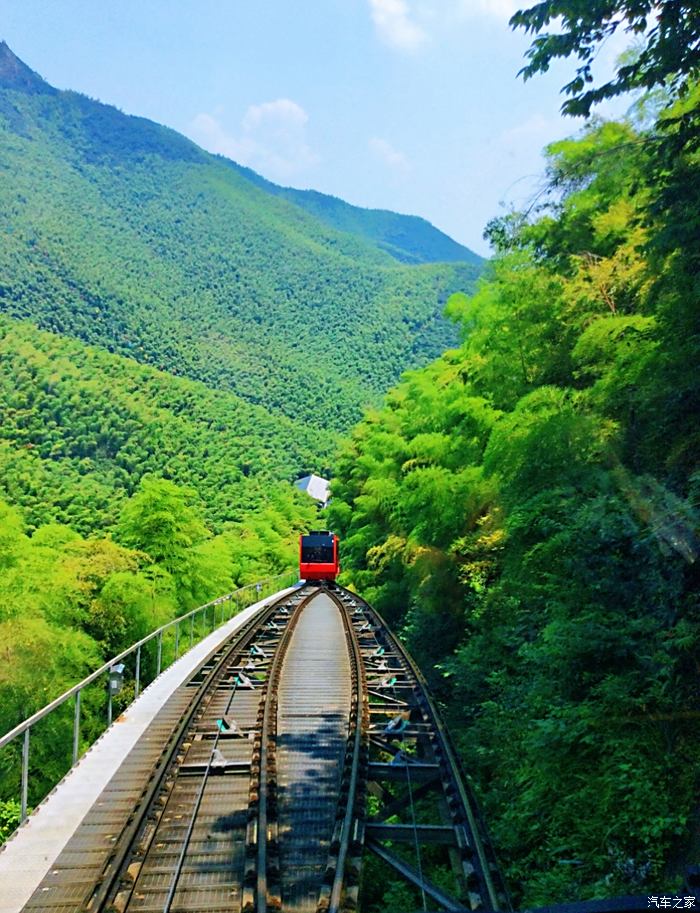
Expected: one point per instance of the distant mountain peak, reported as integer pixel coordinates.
(14, 74)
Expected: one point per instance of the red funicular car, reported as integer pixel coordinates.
(318, 556)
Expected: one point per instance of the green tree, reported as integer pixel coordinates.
(669, 33)
(525, 510)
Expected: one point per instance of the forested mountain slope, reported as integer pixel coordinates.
(177, 345)
(80, 428)
(409, 239)
(526, 508)
(127, 235)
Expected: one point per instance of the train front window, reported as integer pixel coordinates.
(319, 551)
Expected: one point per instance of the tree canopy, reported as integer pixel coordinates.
(525, 510)
(667, 35)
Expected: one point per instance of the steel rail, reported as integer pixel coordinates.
(476, 825)
(267, 761)
(122, 852)
(354, 806)
(188, 836)
(195, 811)
(442, 747)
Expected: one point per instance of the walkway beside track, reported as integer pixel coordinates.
(31, 852)
(312, 732)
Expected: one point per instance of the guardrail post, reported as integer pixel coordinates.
(25, 775)
(191, 630)
(160, 653)
(109, 705)
(177, 639)
(76, 728)
(137, 674)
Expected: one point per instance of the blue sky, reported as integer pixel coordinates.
(411, 105)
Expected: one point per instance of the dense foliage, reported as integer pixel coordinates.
(408, 239)
(127, 493)
(107, 546)
(68, 603)
(668, 32)
(79, 428)
(525, 508)
(126, 235)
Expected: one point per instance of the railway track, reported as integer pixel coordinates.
(302, 742)
(424, 815)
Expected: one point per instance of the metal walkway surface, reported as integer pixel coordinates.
(79, 819)
(312, 732)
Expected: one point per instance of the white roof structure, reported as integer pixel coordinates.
(315, 487)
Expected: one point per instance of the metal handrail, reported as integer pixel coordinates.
(26, 726)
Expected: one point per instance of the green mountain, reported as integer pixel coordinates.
(124, 234)
(80, 428)
(408, 239)
(179, 340)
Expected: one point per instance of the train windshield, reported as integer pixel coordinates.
(317, 550)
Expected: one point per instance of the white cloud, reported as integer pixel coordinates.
(498, 9)
(282, 114)
(409, 24)
(391, 157)
(208, 132)
(272, 138)
(392, 19)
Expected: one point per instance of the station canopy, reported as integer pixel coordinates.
(315, 487)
